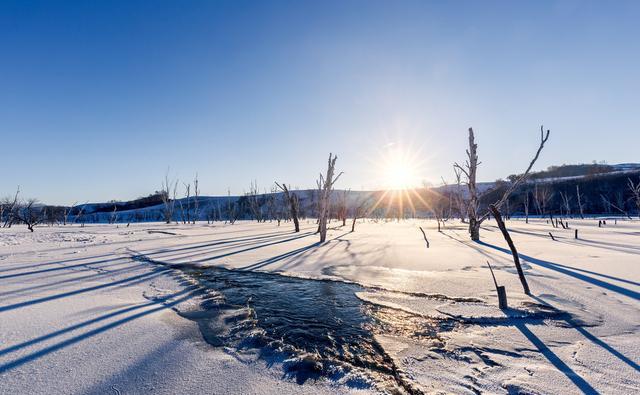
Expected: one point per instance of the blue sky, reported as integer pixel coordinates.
(98, 99)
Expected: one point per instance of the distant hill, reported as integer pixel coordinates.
(603, 188)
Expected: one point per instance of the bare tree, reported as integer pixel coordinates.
(609, 204)
(168, 202)
(635, 192)
(526, 207)
(470, 170)
(28, 214)
(541, 197)
(566, 203)
(360, 210)
(294, 204)
(196, 192)
(67, 212)
(458, 196)
(579, 196)
(342, 208)
(254, 203)
(186, 214)
(271, 203)
(325, 186)
(114, 215)
(8, 207)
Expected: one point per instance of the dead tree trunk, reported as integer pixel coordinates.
(470, 170)
(512, 247)
(293, 201)
(325, 185)
(579, 201)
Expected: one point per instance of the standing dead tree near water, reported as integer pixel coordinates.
(470, 168)
(294, 205)
(325, 186)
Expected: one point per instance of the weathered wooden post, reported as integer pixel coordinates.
(500, 289)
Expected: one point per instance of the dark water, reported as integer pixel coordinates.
(316, 328)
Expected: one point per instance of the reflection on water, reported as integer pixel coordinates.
(320, 328)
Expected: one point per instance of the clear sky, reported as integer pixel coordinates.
(99, 98)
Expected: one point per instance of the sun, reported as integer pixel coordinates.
(400, 170)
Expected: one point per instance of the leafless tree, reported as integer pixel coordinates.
(342, 207)
(254, 202)
(325, 185)
(114, 215)
(80, 217)
(67, 212)
(8, 207)
(579, 197)
(196, 192)
(541, 197)
(232, 208)
(168, 186)
(294, 204)
(458, 195)
(526, 207)
(28, 214)
(566, 203)
(185, 215)
(272, 204)
(618, 207)
(635, 193)
(360, 210)
(469, 170)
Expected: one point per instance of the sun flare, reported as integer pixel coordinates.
(400, 170)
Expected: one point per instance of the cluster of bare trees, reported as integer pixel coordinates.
(14, 210)
(189, 206)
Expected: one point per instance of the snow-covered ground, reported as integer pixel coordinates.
(115, 309)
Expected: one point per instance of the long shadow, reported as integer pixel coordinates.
(250, 248)
(126, 281)
(555, 360)
(570, 272)
(16, 292)
(280, 257)
(167, 253)
(87, 246)
(299, 251)
(593, 338)
(592, 243)
(66, 267)
(54, 262)
(79, 325)
(55, 347)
